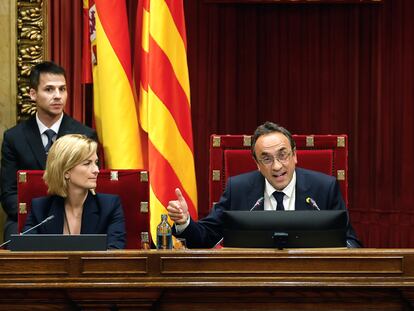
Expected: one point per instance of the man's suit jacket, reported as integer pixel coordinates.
(102, 214)
(22, 149)
(243, 192)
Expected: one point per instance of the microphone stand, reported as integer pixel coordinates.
(30, 229)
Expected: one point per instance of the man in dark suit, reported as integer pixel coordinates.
(277, 185)
(25, 145)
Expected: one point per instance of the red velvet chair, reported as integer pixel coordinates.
(230, 155)
(131, 185)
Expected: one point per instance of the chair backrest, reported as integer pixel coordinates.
(131, 185)
(230, 155)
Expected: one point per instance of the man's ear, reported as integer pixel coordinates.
(294, 156)
(255, 161)
(33, 94)
(257, 164)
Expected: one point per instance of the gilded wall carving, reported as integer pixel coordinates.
(31, 43)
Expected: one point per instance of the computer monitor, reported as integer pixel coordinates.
(58, 242)
(285, 229)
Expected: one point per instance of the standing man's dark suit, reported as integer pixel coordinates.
(22, 149)
(243, 191)
(102, 214)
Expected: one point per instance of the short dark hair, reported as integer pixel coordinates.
(267, 128)
(44, 67)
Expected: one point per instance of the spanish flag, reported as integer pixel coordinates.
(114, 106)
(163, 92)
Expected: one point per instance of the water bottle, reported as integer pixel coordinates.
(164, 235)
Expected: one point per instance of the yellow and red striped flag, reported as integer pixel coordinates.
(164, 103)
(114, 105)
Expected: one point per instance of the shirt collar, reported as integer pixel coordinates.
(55, 127)
(288, 190)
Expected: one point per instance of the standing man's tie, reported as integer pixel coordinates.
(279, 199)
(50, 134)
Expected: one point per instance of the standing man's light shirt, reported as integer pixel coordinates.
(42, 128)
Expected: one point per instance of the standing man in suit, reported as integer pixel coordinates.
(277, 185)
(25, 145)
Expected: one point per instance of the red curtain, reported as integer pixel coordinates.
(313, 68)
(316, 69)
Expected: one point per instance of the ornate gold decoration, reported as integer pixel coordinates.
(310, 141)
(114, 175)
(22, 208)
(340, 174)
(31, 49)
(340, 141)
(247, 140)
(22, 177)
(143, 176)
(216, 175)
(143, 207)
(216, 141)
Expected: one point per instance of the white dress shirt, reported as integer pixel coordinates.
(288, 200)
(42, 128)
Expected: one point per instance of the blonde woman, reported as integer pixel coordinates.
(71, 175)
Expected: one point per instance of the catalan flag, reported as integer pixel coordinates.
(114, 106)
(163, 89)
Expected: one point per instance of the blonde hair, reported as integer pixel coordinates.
(66, 152)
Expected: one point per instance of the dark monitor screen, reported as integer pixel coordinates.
(285, 229)
(58, 242)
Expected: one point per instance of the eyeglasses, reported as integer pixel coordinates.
(282, 157)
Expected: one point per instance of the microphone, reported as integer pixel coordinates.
(30, 229)
(312, 202)
(258, 203)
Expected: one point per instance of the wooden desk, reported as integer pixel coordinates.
(365, 279)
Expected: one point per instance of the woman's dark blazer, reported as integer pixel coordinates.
(102, 214)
